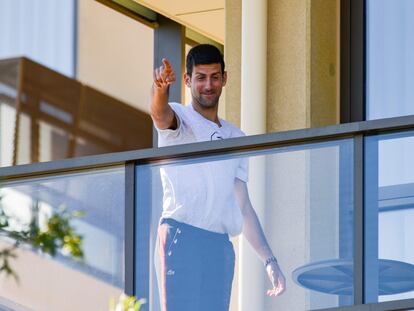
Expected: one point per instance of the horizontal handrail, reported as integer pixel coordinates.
(395, 305)
(228, 146)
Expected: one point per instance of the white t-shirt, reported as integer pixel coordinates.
(202, 194)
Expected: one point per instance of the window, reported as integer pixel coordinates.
(389, 59)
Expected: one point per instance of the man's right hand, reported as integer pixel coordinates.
(161, 113)
(164, 75)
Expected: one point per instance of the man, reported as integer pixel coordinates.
(203, 203)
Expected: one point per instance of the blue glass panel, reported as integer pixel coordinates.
(303, 196)
(44, 281)
(389, 215)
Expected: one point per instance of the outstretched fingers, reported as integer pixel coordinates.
(167, 66)
(158, 81)
(171, 78)
(167, 71)
(164, 75)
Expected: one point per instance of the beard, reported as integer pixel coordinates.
(207, 103)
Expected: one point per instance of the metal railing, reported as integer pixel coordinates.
(357, 131)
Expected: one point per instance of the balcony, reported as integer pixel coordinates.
(335, 204)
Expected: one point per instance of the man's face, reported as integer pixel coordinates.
(206, 83)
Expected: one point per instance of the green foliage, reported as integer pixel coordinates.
(56, 235)
(59, 235)
(126, 303)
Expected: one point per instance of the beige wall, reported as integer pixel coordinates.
(288, 60)
(324, 79)
(232, 55)
(115, 53)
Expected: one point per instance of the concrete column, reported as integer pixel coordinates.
(253, 121)
(169, 42)
(254, 64)
(252, 275)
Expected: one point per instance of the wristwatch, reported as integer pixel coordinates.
(269, 260)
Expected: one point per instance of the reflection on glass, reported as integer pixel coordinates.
(61, 283)
(303, 196)
(47, 116)
(389, 217)
(390, 61)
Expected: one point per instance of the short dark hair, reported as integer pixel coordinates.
(204, 54)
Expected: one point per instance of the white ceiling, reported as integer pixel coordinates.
(205, 17)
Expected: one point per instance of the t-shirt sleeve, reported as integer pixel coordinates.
(168, 137)
(243, 170)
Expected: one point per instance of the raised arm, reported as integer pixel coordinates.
(253, 232)
(161, 113)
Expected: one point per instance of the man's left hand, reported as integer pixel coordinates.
(276, 278)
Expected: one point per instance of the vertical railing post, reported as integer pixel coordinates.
(371, 221)
(129, 228)
(142, 226)
(358, 219)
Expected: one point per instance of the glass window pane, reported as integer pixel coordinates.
(303, 197)
(61, 283)
(389, 217)
(390, 61)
